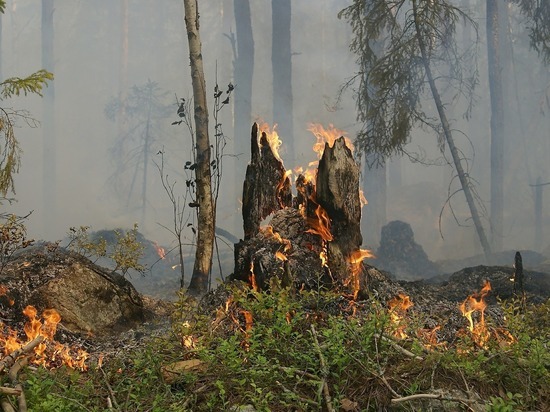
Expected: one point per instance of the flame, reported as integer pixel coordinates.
(272, 138)
(269, 233)
(473, 303)
(328, 135)
(321, 225)
(429, 338)
(362, 198)
(4, 292)
(280, 255)
(252, 278)
(398, 306)
(48, 353)
(160, 250)
(281, 185)
(355, 260)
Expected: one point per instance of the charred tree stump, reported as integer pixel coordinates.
(312, 240)
(266, 187)
(337, 187)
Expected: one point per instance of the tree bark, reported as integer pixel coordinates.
(450, 141)
(49, 179)
(281, 63)
(266, 187)
(374, 189)
(206, 212)
(497, 123)
(337, 187)
(244, 70)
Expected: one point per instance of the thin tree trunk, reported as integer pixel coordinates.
(450, 141)
(244, 71)
(281, 63)
(374, 188)
(123, 67)
(497, 123)
(49, 183)
(146, 149)
(206, 212)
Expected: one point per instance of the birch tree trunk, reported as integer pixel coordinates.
(206, 212)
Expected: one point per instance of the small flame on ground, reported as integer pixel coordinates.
(398, 307)
(47, 355)
(280, 255)
(476, 303)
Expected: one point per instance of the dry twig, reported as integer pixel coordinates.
(399, 348)
(324, 371)
(9, 360)
(12, 376)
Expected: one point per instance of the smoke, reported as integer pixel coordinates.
(87, 76)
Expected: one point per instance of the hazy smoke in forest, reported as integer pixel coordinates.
(87, 78)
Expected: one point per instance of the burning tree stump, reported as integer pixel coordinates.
(312, 239)
(266, 187)
(337, 188)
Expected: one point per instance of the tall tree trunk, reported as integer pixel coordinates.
(49, 183)
(450, 141)
(281, 62)
(146, 150)
(123, 68)
(206, 212)
(497, 123)
(244, 71)
(374, 213)
(1, 71)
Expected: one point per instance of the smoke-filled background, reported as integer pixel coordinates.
(105, 174)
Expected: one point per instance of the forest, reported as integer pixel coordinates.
(272, 206)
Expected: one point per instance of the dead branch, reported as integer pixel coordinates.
(12, 376)
(4, 390)
(111, 398)
(9, 360)
(399, 348)
(6, 405)
(294, 394)
(440, 396)
(324, 370)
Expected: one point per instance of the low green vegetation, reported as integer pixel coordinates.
(307, 351)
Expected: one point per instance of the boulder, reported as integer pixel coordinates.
(400, 255)
(89, 298)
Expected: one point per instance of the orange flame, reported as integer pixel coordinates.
(252, 278)
(355, 260)
(280, 255)
(272, 138)
(473, 303)
(321, 225)
(160, 250)
(398, 306)
(48, 355)
(329, 136)
(269, 233)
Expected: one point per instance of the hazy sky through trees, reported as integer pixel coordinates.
(87, 59)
